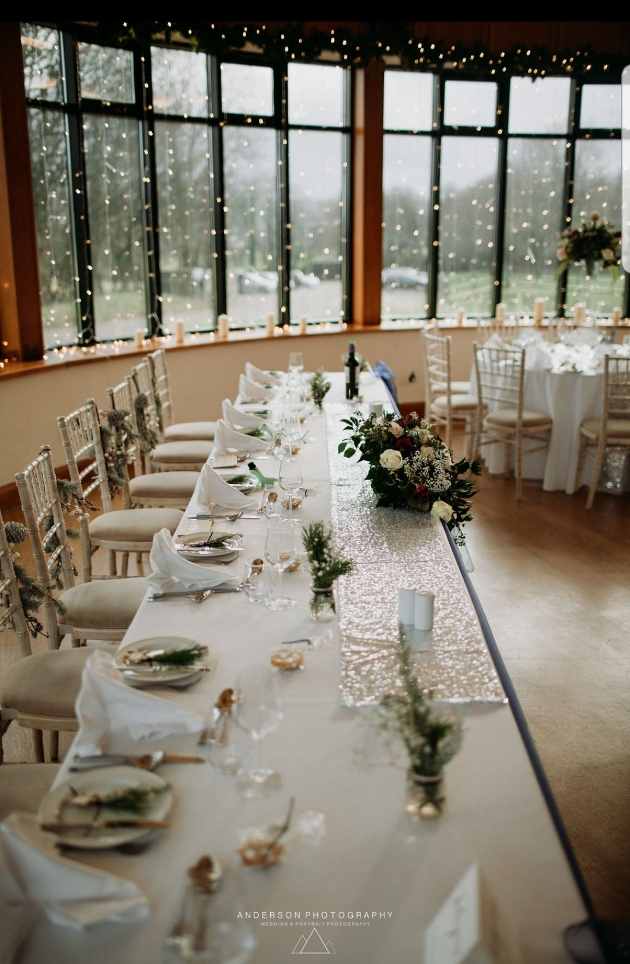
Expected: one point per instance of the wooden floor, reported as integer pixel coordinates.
(554, 581)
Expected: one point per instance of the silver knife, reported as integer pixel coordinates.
(191, 592)
(207, 515)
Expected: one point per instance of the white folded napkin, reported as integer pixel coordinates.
(494, 341)
(237, 419)
(215, 491)
(169, 570)
(261, 377)
(250, 391)
(537, 359)
(227, 439)
(116, 718)
(35, 876)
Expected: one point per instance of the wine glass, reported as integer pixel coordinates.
(290, 479)
(280, 551)
(296, 363)
(259, 711)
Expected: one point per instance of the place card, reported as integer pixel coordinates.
(225, 461)
(469, 928)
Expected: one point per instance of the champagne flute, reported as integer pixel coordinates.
(280, 551)
(296, 363)
(259, 712)
(290, 479)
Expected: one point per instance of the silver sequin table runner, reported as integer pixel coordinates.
(393, 548)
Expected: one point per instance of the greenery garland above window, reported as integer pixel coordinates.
(391, 41)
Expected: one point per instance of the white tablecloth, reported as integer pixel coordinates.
(568, 398)
(374, 859)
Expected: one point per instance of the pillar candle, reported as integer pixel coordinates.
(303, 324)
(138, 338)
(179, 332)
(376, 408)
(578, 311)
(224, 323)
(539, 311)
(616, 316)
(500, 316)
(461, 314)
(406, 606)
(423, 610)
(271, 325)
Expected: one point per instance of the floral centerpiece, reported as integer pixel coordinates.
(593, 241)
(411, 467)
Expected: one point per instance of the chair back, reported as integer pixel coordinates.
(157, 360)
(499, 373)
(11, 609)
(43, 515)
(142, 376)
(122, 398)
(81, 438)
(437, 368)
(616, 387)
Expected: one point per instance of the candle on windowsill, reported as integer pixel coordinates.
(500, 315)
(138, 338)
(578, 311)
(179, 332)
(303, 325)
(271, 325)
(616, 316)
(223, 327)
(539, 311)
(461, 314)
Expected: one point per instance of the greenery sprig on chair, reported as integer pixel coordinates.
(31, 593)
(147, 438)
(117, 438)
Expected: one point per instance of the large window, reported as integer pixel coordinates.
(480, 178)
(171, 185)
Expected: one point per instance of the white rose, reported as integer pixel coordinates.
(608, 254)
(423, 435)
(441, 510)
(396, 429)
(391, 459)
(427, 452)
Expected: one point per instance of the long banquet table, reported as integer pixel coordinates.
(374, 858)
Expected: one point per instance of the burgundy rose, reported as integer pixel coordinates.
(404, 443)
(422, 493)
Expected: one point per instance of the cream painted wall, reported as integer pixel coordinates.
(201, 377)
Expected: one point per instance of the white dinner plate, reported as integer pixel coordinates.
(160, 674)
(200, 553)
(103, 780)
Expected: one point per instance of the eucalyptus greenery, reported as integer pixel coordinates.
(320, 387)
(147, 437)
(117, 438)
(135, 799)
(324, 562)
(431, 737)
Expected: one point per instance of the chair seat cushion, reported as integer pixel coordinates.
(170, 485)
(133, 525)
(506, 418)
(615, 428)
(104, 603)
(182, 453)
(190, 432)
(45, 684)
(460, 388)
(459, 403)
(23, 786)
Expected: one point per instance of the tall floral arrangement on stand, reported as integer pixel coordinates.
(411, 467)
(594, 241)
